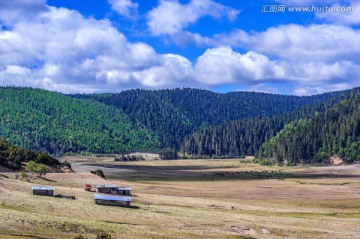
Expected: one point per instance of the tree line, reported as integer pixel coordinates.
(244, 137)
(58, 124)
(174, 113)
(12, 156)
(333, 132)
(195, 122)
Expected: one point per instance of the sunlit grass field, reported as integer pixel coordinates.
(229, 198)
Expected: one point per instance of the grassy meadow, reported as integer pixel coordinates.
(228, 198)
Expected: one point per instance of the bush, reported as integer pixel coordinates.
(320, 156)
(34, 167)
(100, 235)
(128, 158)
(98, 172)
(23, 175)
(31, 166)
(66, 164)
(168, 153)
(41, 169)
(103, 235)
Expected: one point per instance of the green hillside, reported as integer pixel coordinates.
(11, 156)
(333, 132)
(245, 136)
(198, 122)
(173, 114)
(53, 122)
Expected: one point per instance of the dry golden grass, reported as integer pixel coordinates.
(180, 199)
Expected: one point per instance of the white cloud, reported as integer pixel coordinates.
(125, 8)
(59, 49)
(223, 65)
(308, 2)
(262, 87)
(171, 17)
(314, 42)
(174, 71)
(343, 18)
(19, 10)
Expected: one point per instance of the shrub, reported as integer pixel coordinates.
(23, 175)
(98, 172)
(34, 167)
(103, 235)
(31, 166)
(41, 169)
(66, 164)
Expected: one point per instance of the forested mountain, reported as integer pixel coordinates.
(333, 132)
(173, 114)
(244, 137)
(48, 121)
(196, 121)
(11, 156)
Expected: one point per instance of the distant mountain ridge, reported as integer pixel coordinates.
(245, 136)
(333, 132)
(174, 113)
(194, 121)
(52, 122)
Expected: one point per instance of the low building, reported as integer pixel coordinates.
(112, 200)
(43, 191)
(106, 188)
(113, 189)
(123, 191)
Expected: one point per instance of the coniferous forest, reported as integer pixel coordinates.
(244, 137)
(173, 114)
(333, 132)
(11, 156)
(55, 123)
(192, 122)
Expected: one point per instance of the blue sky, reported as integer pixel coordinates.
(95, 46)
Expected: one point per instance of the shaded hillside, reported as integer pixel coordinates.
(52, 122)
(11, 156)
(333, 132)
(174, 113)
(244, 137)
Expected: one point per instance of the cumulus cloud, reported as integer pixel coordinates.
(308, 2)
(20, 10)
(314, 42)
(342, 17)
(59, 49)
(125, 8)
(171, 17)
(223, 65)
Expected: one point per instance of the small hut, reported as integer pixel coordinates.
(43, 191)
(113, 189)
(112, 200)
(122, 191)
(106, 188)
